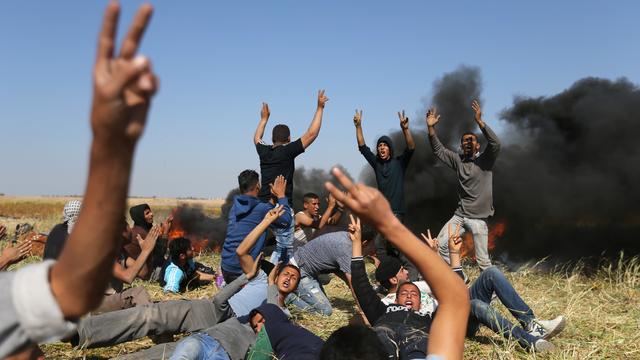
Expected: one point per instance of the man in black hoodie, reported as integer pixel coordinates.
(389, 171)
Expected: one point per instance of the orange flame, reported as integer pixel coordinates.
(495, 231)
(176, 231)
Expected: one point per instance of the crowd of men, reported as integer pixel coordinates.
(426, 309)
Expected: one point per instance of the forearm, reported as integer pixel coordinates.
(132, 271)
(325, 217)
(80, 276)
(4, 262)
(359, 135)
(257, 137)
(409, 139)
(314, 129)
(250, 240)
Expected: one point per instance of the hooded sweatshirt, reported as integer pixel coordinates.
(389, 173)
(288, 341)
(245, 214)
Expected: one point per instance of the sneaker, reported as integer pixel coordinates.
(546, 329)
(542, 346)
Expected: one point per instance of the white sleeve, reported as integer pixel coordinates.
(37, 310)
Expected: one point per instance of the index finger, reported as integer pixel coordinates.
(132, 40)
(429, 234)
(108, 33)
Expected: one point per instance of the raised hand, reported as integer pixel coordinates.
(366, 202)
(431, 242)
(124, 83)
(404, 120)
(166, 225)
(432, 117)
(149, 242)
(265, 113)
(357, 118)
(322, 99)
(331, 201)
(278, 186)
(477, 111)
(355, 231)
(274, 213)
(273, 274)
(16, 253)
(255, 268)
(455, 240)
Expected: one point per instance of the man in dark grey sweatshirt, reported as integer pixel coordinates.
(389, 171)
(475, 183)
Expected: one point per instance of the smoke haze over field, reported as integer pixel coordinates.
(565, 182)
(565, 178)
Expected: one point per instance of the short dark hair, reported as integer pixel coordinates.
(247, 180)
(405, 283)
(353, 342)
(280, 133)
(468, 133)
(289, 266)
(310, 196)
(178, 247)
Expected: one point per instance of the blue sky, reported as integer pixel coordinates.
(218, 61)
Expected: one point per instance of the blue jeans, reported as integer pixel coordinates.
(284, 240)
(311, 297)
(490, 281)
(199, 346)
(480, 232)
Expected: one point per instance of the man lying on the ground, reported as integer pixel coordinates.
(401, 327)
(180, 272)
(42, 300)
(308, 220)
(279, 159)
(58, 235)
(179, 316)
(532, 333)
(390, 274)
(276, 337)
(328, 253)
(233, 336)
(448, 327)
(166, 317)
(246, 213)
(13, 254)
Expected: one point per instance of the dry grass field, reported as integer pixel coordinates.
(603, 309)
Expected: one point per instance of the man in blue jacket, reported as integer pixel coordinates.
(246, 213)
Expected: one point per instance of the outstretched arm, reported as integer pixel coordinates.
(314, 129)
(243, 250)
(123, 87)
(440, 151)
(404, 124)
(264, 118)
(357, 122)
(449, 326)
(147, 244)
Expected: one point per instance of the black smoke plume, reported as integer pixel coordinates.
(566, 178)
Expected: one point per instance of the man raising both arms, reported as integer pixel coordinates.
(475, 183)
(389, 171)
(278, 159)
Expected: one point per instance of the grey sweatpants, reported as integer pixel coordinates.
(167, 317)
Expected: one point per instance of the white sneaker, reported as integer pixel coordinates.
(542, 346)
(546, 329)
